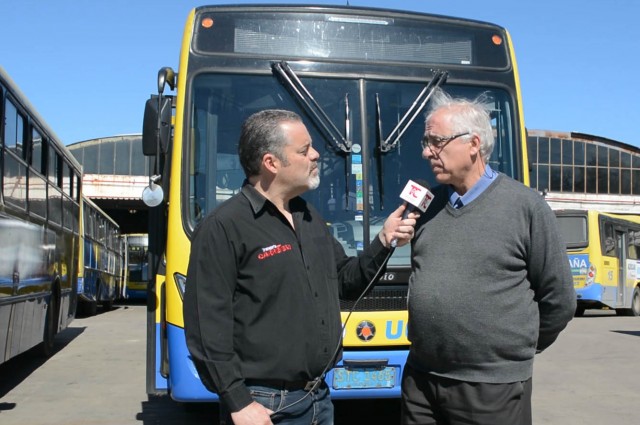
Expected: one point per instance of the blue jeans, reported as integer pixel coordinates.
(315, 409)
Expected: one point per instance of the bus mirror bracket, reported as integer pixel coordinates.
(166, 75)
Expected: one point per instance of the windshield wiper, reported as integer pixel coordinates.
(386, 145)
(379, 154)
(343, 143)
(439, 77)
(315, 110)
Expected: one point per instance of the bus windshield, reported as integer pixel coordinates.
(137, 250)
(362, 111)
(574, 230)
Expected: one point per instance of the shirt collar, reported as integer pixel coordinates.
(259, 203)
(255, 198)
(481, 185)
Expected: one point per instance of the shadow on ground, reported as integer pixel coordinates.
(17, 369)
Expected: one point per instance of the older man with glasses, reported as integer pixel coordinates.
(490, 286)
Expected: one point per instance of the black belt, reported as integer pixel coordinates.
(282, 385)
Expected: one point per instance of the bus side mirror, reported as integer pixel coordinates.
(156, 127)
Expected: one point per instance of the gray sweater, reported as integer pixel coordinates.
(491, 285)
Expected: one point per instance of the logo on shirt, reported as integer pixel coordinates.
(272, 250)
(366, 330)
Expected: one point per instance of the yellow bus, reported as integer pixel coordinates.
(604, 254)
(137, 265)
(361, 79)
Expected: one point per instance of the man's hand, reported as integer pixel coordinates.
(395, 228)
(253, 414)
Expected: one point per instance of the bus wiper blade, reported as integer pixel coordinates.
(380, 162)
(347, 122)
(322, 119)
(348, 143)
(439, 77)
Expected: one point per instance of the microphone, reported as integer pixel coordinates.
(417, 196)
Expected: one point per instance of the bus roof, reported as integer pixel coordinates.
(385, 12)
(33, 112)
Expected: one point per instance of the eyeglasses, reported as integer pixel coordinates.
(437, 143)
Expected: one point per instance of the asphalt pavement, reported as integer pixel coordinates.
(97, 376)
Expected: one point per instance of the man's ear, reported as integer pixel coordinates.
(271, 163)
(475, 144)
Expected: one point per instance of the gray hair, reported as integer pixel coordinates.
(261, 134)
(466, 115)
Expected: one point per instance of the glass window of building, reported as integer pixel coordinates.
(123, 157)
(603, 156)
(565, 164)
(625, 182)
(107, 153)
(139, 162)
(555, 149)
(579, 180)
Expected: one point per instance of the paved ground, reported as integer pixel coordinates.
(590, 376)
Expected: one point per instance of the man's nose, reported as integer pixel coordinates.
(427, 152)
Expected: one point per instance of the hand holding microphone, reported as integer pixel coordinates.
(417, 197)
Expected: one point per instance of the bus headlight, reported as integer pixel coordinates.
(181, 281)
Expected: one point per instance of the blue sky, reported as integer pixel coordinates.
(89, 66)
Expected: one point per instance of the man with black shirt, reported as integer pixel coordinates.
(265, 275)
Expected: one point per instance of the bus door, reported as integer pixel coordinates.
(621, 242)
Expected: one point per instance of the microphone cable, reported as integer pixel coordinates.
(319, 379)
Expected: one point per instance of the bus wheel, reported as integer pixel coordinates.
(635, 302)
(47, 344)
(579, 311)
(91, 308)
(87, 308)
(107, 305)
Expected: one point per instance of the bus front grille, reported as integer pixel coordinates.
(379, 299)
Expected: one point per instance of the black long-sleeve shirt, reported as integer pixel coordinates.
(262, 299)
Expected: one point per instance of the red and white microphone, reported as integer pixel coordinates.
(417, 196)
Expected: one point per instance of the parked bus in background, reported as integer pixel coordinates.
(361, 79)
(604, 254)
(39, 223)
(100, 267)
(138, 266)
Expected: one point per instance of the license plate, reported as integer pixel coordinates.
(352, 378)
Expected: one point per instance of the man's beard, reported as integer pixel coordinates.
(314, 181)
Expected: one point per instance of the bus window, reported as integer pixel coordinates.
(52, 165)
(609, 240)
(633, 240)
(36, 150)
(13, 129)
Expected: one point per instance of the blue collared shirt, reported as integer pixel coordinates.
(481, 185)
